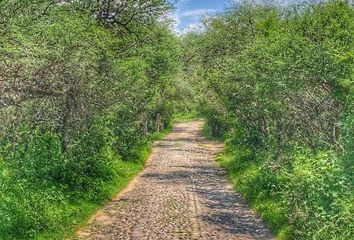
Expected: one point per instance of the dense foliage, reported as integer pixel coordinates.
(81, 83)
(277, 82)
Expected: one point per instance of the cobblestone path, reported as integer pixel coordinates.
(182, 194)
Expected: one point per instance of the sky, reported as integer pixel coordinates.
(189, 13)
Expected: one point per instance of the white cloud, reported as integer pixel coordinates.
(173, 22)
(197, 27)
(198, 12)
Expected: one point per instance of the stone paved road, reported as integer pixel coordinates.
(182, 194)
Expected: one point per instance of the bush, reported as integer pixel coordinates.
(317, 198)
(311, 199)
(74, 98)
(47, 190)
(278, 85)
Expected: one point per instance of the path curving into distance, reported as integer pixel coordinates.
(181, 194)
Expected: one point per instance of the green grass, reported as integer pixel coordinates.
(159, 135)
(296, 204)
(244, 176)
(82, 211)
(248, 179)
(206, 131)
(186, 117)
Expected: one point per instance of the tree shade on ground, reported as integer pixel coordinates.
(82, 82)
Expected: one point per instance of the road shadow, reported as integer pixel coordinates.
(229, 212)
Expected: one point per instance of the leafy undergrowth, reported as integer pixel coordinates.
(207, 133)
(68, 217)
(263, 70)
(309, 198)
(48, 194)
(186, 117)
(158, 135)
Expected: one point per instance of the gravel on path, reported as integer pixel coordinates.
(181, 194)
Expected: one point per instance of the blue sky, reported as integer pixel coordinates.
(189, 13)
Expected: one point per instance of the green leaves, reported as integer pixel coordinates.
(278, 81)
(80, 88)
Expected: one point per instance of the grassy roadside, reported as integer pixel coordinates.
(186, 117)
(312, 200)
(82, 211)
(253, 184)
(245, 176)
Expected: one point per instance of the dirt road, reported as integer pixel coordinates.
(182, 194)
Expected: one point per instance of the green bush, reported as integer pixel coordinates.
(278, 86)
(47, 190)
(317, 197)
(76, 91)
(311, 199)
